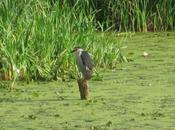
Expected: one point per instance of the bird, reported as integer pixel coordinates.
(84, 62)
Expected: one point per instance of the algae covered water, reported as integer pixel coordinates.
(139, 94)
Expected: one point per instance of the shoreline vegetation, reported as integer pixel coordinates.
(138, 95)
(36, 36)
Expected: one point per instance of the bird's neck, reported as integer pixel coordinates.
(79, 51)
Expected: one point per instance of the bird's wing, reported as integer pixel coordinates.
(86, 59)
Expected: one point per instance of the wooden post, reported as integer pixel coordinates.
(83, 88)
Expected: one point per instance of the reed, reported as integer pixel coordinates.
(136, 15)
(36, 36)
(36, 39)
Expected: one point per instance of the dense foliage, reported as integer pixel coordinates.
(137, 15)
(132, 15)
(36, 38)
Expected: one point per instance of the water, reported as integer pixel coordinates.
(137, 95)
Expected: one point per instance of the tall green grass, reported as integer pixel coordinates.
(36, 36)
(36, 39)
(136, 15)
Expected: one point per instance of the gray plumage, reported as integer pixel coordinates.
(84, 62)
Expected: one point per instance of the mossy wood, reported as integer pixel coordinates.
(83, 88)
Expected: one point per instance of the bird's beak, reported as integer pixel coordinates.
(72, 51)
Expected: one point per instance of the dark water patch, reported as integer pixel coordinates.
(167, 101)
(7, 100)
(157, 60)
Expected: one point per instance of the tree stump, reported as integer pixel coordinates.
(83, 88)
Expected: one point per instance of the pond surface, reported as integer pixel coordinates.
(137, 95)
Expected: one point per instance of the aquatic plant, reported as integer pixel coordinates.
(36, 38)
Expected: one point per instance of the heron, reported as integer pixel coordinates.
(84, 62)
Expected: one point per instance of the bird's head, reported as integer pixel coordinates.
(76, 49)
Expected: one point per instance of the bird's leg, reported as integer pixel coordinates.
(80, 76)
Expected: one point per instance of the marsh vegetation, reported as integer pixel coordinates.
(36, 36)
(137, 95)
(133, 83)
